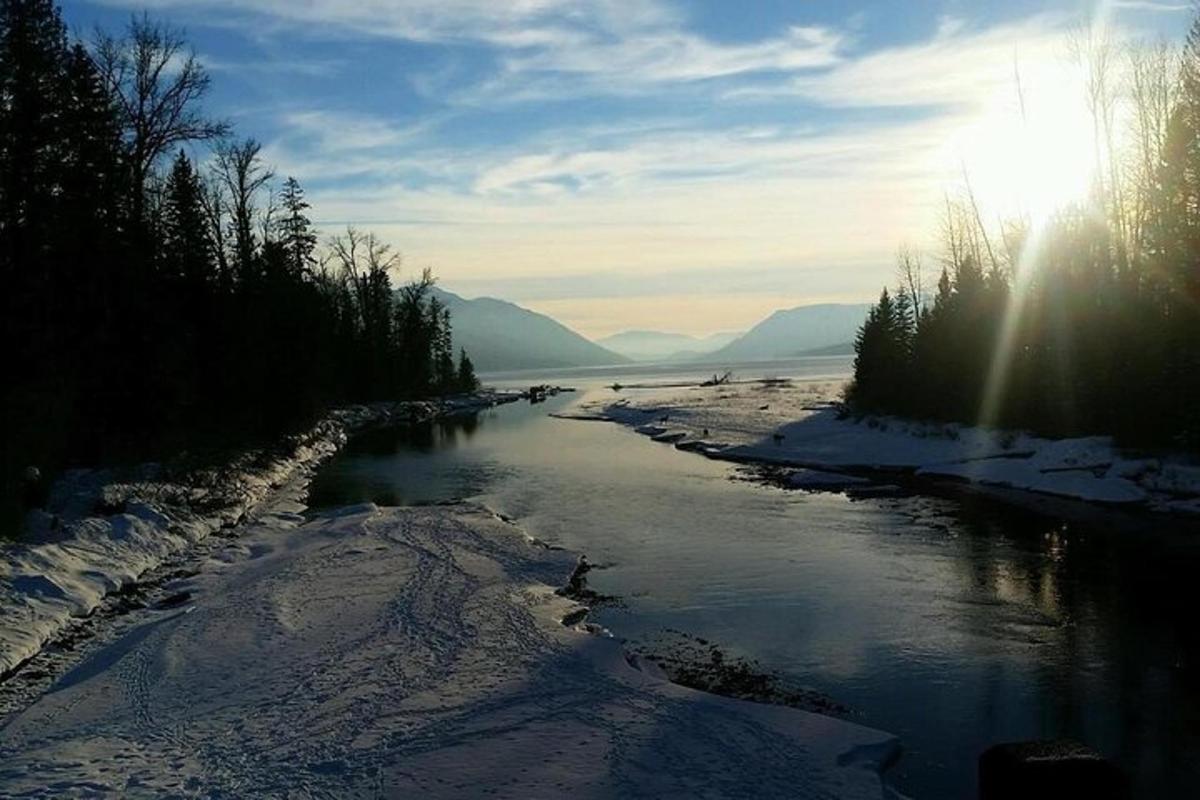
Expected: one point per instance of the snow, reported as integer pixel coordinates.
(798, 425)
(74, 554)
(404, 652)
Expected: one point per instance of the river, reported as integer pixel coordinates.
(954, 624)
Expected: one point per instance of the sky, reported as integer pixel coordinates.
(655, 164)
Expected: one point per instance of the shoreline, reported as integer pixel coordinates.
(799, 438)
(405, 650)
(103, 532)
(69, 717)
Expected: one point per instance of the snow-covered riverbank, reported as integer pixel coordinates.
(797, 425)
(103, 531)
(404, 652)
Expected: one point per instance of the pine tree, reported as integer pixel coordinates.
(466, 380)
(442, 350)
(92, 159)
(187, 249)
(33, 54)
(295, 229)
(881, 363)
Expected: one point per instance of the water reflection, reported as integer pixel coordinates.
(954, 624)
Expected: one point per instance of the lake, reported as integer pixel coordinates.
(954, 624)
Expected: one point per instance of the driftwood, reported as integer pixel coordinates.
(716, 380)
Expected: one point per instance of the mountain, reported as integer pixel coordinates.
(659, 346)
(843, 349)
(792, 331)
(499, 335)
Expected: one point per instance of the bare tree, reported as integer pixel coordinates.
(910, 273)
(158, 85)
(977, 230)
(1095, 51)
(963, 236)
(344, 253)
(365, 262)
(243, 175)
(213, 201)
(267, 223)
(953, 234)
(360, 254)
(1154, 78)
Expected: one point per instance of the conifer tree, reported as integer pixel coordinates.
(187, 249)
(296, 236)
(466, 380)
(33, 47)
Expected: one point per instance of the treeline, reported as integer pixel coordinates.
(1087, 323)
(152, 302)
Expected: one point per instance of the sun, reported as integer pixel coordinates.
(1030, 150)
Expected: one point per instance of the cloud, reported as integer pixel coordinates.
(598, 45)
(1149, 5)
(341, 131)
(793, 204)
(308, 67)
(514, 23)
(663, 55)
(685, 156)
(957, 67)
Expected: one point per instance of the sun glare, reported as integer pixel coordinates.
(1028, 152)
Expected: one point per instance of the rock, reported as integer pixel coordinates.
(1057, 770)
(34, 490)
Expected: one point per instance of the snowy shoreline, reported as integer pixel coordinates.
(102, 532)
(798, 427)
(417, 651)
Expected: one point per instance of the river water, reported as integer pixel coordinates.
(953, 624)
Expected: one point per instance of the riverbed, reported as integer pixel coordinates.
(954, 624)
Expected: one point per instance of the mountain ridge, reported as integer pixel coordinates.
(789, 332)
(652, 345)
(500, 335)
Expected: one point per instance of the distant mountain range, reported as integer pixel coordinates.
(499, 335)
(822, 329)
(659, 346)
(843, 349)
(817, 330)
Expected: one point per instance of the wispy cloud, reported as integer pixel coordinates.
(275, 66)
(599, 44)
(1150, 5)
(956, 67)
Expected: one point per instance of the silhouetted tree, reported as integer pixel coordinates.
(296, 236)
(187, 248)
(157, 84)
(144, 312)
(466, 380)
(243, 176)
(881, 356)
(33, 51)
(1108, 305)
